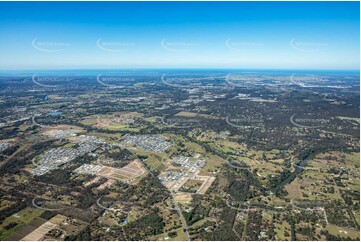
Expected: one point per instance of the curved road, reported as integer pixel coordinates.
(42, 208)
(177, 208)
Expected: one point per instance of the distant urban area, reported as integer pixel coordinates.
(180, 155)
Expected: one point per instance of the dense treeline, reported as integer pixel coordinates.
(225, 231)
(13, 165)
(151, 224)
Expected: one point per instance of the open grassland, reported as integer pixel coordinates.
(181, 236)
(343, 232)
(18, 220)
(114, 121)
(318, 181)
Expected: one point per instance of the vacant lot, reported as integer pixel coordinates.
(126, 174)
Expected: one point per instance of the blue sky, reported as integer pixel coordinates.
(242, 35)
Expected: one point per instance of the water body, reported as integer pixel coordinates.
(125, 222)
(56, 113)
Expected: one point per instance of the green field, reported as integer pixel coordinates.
(21, 219)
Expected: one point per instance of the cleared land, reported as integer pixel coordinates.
(40, 232)
(126, 174)
(207, 182)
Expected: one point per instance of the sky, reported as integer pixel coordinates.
(240, 35)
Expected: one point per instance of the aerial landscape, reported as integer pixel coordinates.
(175, 152)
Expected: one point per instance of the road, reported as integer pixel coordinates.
(179, 211)
(175, 203)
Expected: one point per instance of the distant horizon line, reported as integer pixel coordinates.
(177, 68)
